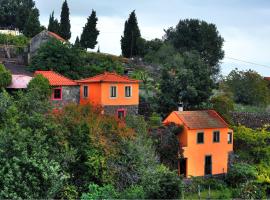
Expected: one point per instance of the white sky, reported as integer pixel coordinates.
(244, 24)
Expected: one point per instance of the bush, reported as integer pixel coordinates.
(5, 77)
(161, 184)
(240, 173)
(40, 86)
(134, 192)
(223, 105)
(19, 40)
(100, 192)
(249, 190)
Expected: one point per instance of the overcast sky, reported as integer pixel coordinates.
(244, 24)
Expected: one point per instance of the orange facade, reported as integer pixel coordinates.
(100, 94)
(206, 149)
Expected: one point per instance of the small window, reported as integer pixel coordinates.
(230, 138)
(85, 91)
(200, 138)
(216, 136)
(57, 94)
(113, 92)
(128, 91)
(121, 114)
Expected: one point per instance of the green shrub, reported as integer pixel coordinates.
(41, 86)
(223, 105)
(100, 192)
(154, 120)
(5, 77)
(19, 40)
(161, 183)
(133, 192)
(240, 173)
(249, 190)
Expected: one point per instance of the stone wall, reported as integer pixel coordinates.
(37, 41)
(251, 120)
(112, 110)
(70, 94)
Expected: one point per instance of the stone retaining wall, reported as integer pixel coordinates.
(112, 110)
(251, 120)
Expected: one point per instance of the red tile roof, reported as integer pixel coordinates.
(56, 79)
(267, 78)
(108, 77)
(201, 119)
(58, 37)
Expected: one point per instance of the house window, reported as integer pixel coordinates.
(216, 136)
(85, 91)
(121, 113)
(57, 94)
(230, 138)
(127, 91)
(113, 92)
(200, 138)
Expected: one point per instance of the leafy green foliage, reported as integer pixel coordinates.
(97, 192)
(19, 40)
(134, 192)
(248, 87)
(90, 32)
(241, 173)
(187, 80)
(15, 13)
(131, 39)
(65, 22)
(54, 25)
(5, 77)
(40, 86)
(73, 62)
(161, 184)
(32, 25)
(193, 34)
(223, 104)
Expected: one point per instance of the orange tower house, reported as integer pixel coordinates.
(206, 141)
(117, 95)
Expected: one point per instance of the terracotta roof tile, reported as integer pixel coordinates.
(201, 119)
(58, 37)
(108, 77)
(56, 79)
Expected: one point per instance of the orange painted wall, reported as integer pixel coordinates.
(195, 153)
(99, 94)
(120, 99)
(94, 94)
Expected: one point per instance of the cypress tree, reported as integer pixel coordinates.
(129, 42)
(90, 32)
(65, 22)
(32, 26)
(54, 25)
(77, 42)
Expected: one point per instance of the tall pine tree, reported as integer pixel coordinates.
(130, 40)
(65, 22)
(32, 25)
(54, 25)
(77, 42)
(90, 32)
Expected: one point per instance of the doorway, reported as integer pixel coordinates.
(208, 165)
(183, 167)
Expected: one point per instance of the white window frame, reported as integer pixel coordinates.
(214, 136)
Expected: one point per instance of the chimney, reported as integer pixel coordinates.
(180, 107)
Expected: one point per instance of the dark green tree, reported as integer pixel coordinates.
(54, 25)
(32, 25)
(90, 32)
(65, 22)
(193, 34)
(248, 87)
(15, 13)
(5, 77)
(77, 42)
(132, 37)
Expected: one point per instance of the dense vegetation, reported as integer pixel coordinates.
(73, 62)
(5, 77)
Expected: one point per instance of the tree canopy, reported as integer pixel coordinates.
(203, 37)
(90, 32)
(5, 77)
(32, 25)
(54, 25)
(130, 41)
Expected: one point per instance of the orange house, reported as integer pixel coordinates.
(117, 95)
(206, 141)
